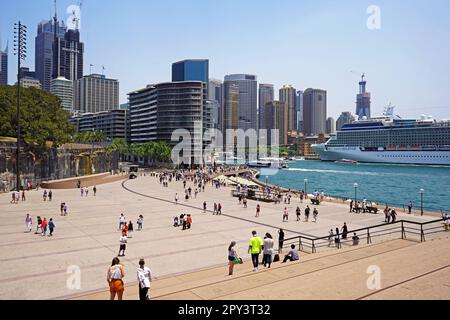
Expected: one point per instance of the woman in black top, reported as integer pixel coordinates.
(280, 240)
(344, 231)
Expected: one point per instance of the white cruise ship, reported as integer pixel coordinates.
(390, 139)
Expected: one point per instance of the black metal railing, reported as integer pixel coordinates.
(404, 227)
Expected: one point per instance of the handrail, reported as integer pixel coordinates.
(404, 229)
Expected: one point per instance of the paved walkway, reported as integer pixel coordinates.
(36, 267)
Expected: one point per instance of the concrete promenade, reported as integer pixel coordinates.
(36, 267)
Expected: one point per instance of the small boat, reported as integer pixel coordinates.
(346, 161)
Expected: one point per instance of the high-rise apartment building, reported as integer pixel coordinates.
(112, 123)
(43, 55)
(277, 117)
(363, 100)
(266, 95)
(288, 94)
(248, 94)
(344, 118)
(314, 111)
(4, 66)
(95, 93)
(63, 89)
(158, 110)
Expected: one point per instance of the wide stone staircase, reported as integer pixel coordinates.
(391, 269)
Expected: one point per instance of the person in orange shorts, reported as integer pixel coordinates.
(114, 277)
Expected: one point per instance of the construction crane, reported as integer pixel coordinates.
(76, 15)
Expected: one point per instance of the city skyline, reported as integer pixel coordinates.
(402, 61)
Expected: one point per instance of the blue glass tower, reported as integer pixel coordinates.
(191, 70)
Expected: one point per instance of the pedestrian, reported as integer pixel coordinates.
(130, 229)
(44, 195)
(61, 208)
(330, 237)
(44, 226)
(410, 205)
(50, 195)
(298, 213)
(258, 210)
(355, 239)
(337, 239)
(268, 250)
(254, 247)
(351, 206)
(95, 190)
(393, 215)
(28, 223)
(82, 191)
(307, 211)
(13, 197)
(204, 206)
(292, 255)
(144, 277)
(184, 219)
(86, 191)
(65, 209)
(344, 231)
(315, 214)
(389, 214)
(23, 195)
(51, 227)
(114, 277)
(39, 224)
(215, 208)
(122, 221)
(188, 221)
(139, 222)
(219, 209)
(176, 198)
(386, 214)
(280, 240)
(123, 243)
(244, 201)
(232, 256)
(285, 214)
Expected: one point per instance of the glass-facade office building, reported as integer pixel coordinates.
(191, 70)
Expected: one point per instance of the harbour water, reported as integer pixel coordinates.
(395, 185)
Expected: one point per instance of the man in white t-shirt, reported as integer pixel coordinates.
(123, 244)
(144, 277)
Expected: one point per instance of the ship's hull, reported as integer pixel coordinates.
(384, 156)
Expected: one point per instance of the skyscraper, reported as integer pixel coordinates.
(215, 101)
(266, 94)
(344, 118)
(299, 110)
(68, 56)
(314, 111)
(330, 125)
(96, 93)
(63, 89)
(230, 109)
(277, 116)
(191, 70)
(248, 91)
(43, 55)
(4, 66)
(288, 94)
(363, 100)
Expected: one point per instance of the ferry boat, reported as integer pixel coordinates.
(277, 163)
(390, 139)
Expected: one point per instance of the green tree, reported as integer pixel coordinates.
(42, 118)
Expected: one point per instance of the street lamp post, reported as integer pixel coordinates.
(356, 188)
(421, 201)
(306, 193)
(20, 49)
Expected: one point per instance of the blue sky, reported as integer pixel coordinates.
(304, 43)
